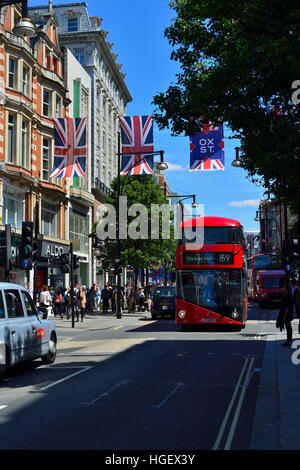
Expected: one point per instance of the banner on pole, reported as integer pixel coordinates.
(137, 144)
(70, 147)
(207, 149)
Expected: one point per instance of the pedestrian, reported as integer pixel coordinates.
(97, 297)
(57, 303)
(92, 296)
(131, 301)
(67, 302)
(141, 300)
(29, 289)
(286, 314)
(105, 299)
(88, 306)
(297, 301)
(82, 303)
(46, 300)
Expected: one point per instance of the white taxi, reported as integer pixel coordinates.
(24, 335)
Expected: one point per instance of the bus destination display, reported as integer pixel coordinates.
(207, 258)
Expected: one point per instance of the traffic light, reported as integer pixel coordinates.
(96, 242)
(76, 262)
(64, 263)
(26, 245)
(5, 248)
(118, 267)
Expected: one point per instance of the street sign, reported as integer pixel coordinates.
(288, 267)
(26, 263)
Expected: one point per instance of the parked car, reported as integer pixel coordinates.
(25, 334)
(270, 286)
(163, 303)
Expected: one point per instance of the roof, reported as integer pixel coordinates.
(272, 273)
(210, 222)
(10, 285)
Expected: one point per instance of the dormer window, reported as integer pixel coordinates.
(72, 24)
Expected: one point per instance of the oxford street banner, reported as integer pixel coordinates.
(207, 149)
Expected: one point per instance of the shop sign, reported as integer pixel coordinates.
(53, 250)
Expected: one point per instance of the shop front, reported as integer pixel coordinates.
(48, 268)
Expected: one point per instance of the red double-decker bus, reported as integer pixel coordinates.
(211, 276)
(259, 262)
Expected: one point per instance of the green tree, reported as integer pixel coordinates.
(238, 62)
(140, 252)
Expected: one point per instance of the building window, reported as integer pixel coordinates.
(46, 159)
(11, 138)
(46, 103)
(104, 141)
(49, 219)
(72, 24)
(48, 59)
(25, 144)
(79, 230)
(13, 206)
(79, 55)
(56, 65)
(25, 81)
(58, 107)
(12, 73)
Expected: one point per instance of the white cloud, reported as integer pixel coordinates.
(245, 203)
(175, 167)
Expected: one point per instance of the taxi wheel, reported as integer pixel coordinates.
(49, 358)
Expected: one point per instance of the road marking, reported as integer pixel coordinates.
(238, 408)
(2, 407)
(168, 396)
(104, 394)
(83, 369)
(228, 411)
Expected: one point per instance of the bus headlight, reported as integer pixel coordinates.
(235, 314)
(182, 313)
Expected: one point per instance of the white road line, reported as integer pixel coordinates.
(224, 423)
(104, 394)
(83, 369)
(168, 396)
(2, 407)
(238, 408)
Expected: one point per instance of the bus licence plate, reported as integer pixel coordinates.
(208, 320)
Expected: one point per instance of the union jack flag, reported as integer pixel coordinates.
(137, 144)
(70, 147)
(207, 149)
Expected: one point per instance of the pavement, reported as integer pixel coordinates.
(277, 415)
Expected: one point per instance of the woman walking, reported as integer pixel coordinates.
(82, 303)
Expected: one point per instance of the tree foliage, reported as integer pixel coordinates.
(238, 62)
(140, 252)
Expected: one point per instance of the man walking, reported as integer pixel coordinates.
(105, 299)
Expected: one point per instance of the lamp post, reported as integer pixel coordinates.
(265, 212)
(185, 196)
(237, 162)
(25, 27)
(161, 166)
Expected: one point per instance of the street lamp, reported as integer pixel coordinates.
(25, 27)
(237, 162)
(161, 166)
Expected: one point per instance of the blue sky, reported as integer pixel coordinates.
(136, 28)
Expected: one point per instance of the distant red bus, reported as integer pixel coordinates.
(260, 262)
(211, 276)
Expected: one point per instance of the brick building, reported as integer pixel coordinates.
(32, 93)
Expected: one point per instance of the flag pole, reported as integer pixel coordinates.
(118, 251)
